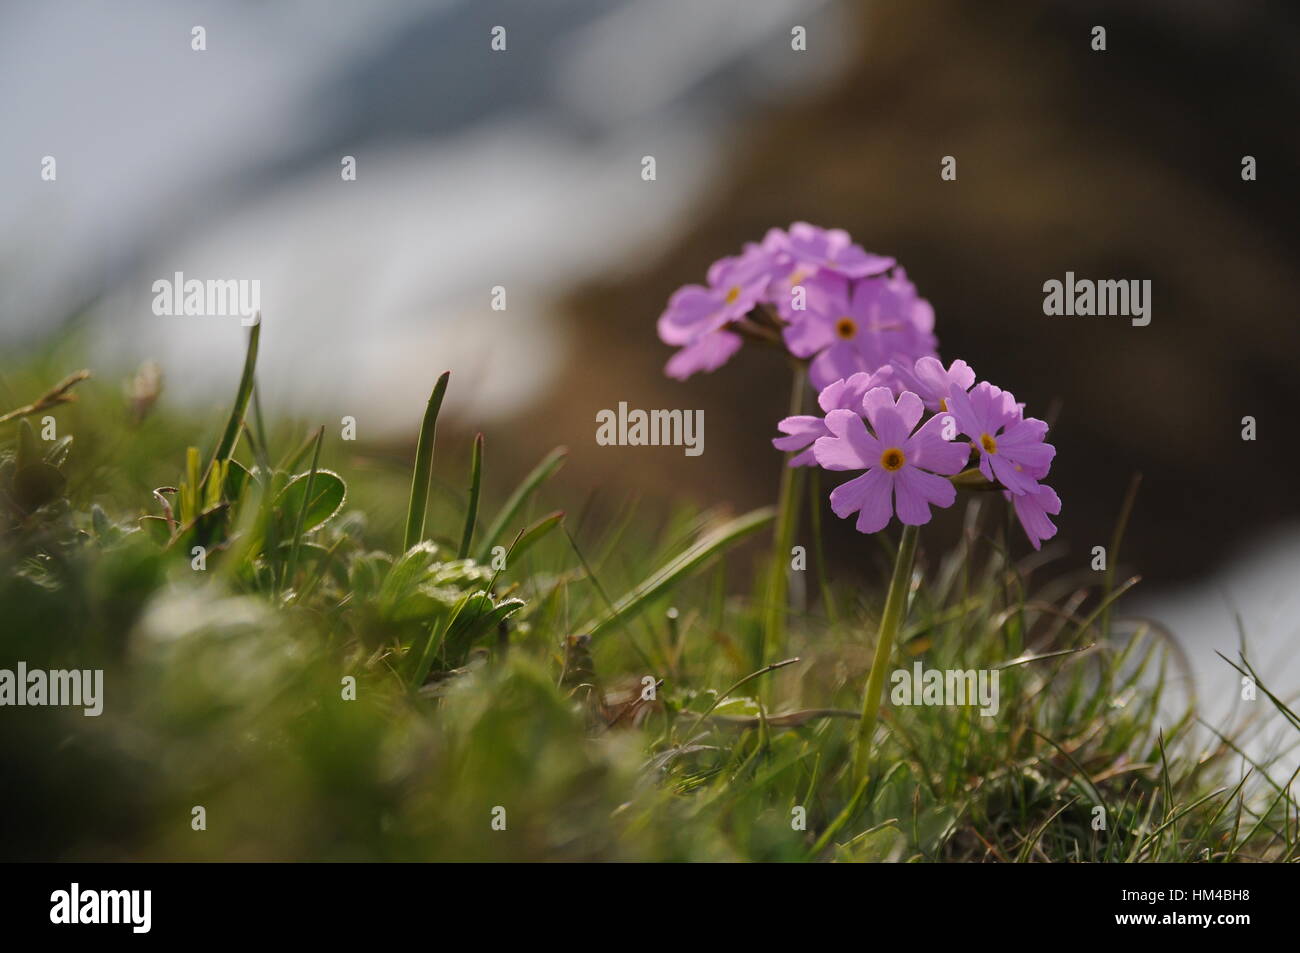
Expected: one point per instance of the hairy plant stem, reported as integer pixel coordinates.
(890, 623)
(787, 520)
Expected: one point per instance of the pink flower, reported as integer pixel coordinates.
(859, 325)
(1032, 509)
(1012, 451)
(779, 272)
(706, 353)
(807, 250)
(697, 316)
(803, 429)
(904, 470)
(830, 249)
(928, 380)
(1011, 447)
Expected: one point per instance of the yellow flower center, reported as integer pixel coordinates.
(733, 294)
(989, 444)
(892, 459)
(846, 328)
(943, 404)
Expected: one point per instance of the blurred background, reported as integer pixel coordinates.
(522, 169)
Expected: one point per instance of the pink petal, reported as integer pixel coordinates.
(1032, 509)
(915, 490)
(927, 448)
(869, 495)
(1017, 481)
(1030, 430)
(886, 421)
(850, 447)
(840, 360)
(910, 408)
(802, 430)
(693, 310)
(959, 405)
(845, 394)
(707, 354)
(808, 333)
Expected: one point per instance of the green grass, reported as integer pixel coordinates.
(519, 683)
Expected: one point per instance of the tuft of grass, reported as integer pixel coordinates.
(340, 684)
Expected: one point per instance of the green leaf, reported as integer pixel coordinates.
(420, 587)
(405, 577)
(159, 530)
(237, 477)
(188, 497)
(479, 617)
(366, 573)
(475, 615)
(58, 453)
(328, 493)
(28, 449)
(877, 845)
(742, 706)
(308, 496)
(37, 484)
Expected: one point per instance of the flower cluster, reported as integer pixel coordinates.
(827, 300)
(870, 424)
(869, 343)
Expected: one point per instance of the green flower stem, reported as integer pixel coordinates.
(890, 623)
(787, 520)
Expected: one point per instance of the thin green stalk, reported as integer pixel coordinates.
(819, 549)
(1112, 554)
(424, 465)
(58, 394)
(787, 519)
(471, 510)
(510, 511)
(890, 623)
(262, 450)
(302, 511)
(230, 436)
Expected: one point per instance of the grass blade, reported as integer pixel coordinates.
(424, 464)
(471, 510)
(550, 464)
(676, 569)
(302, 511)
(1112, 555)
(235, 424)
(532, 534)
